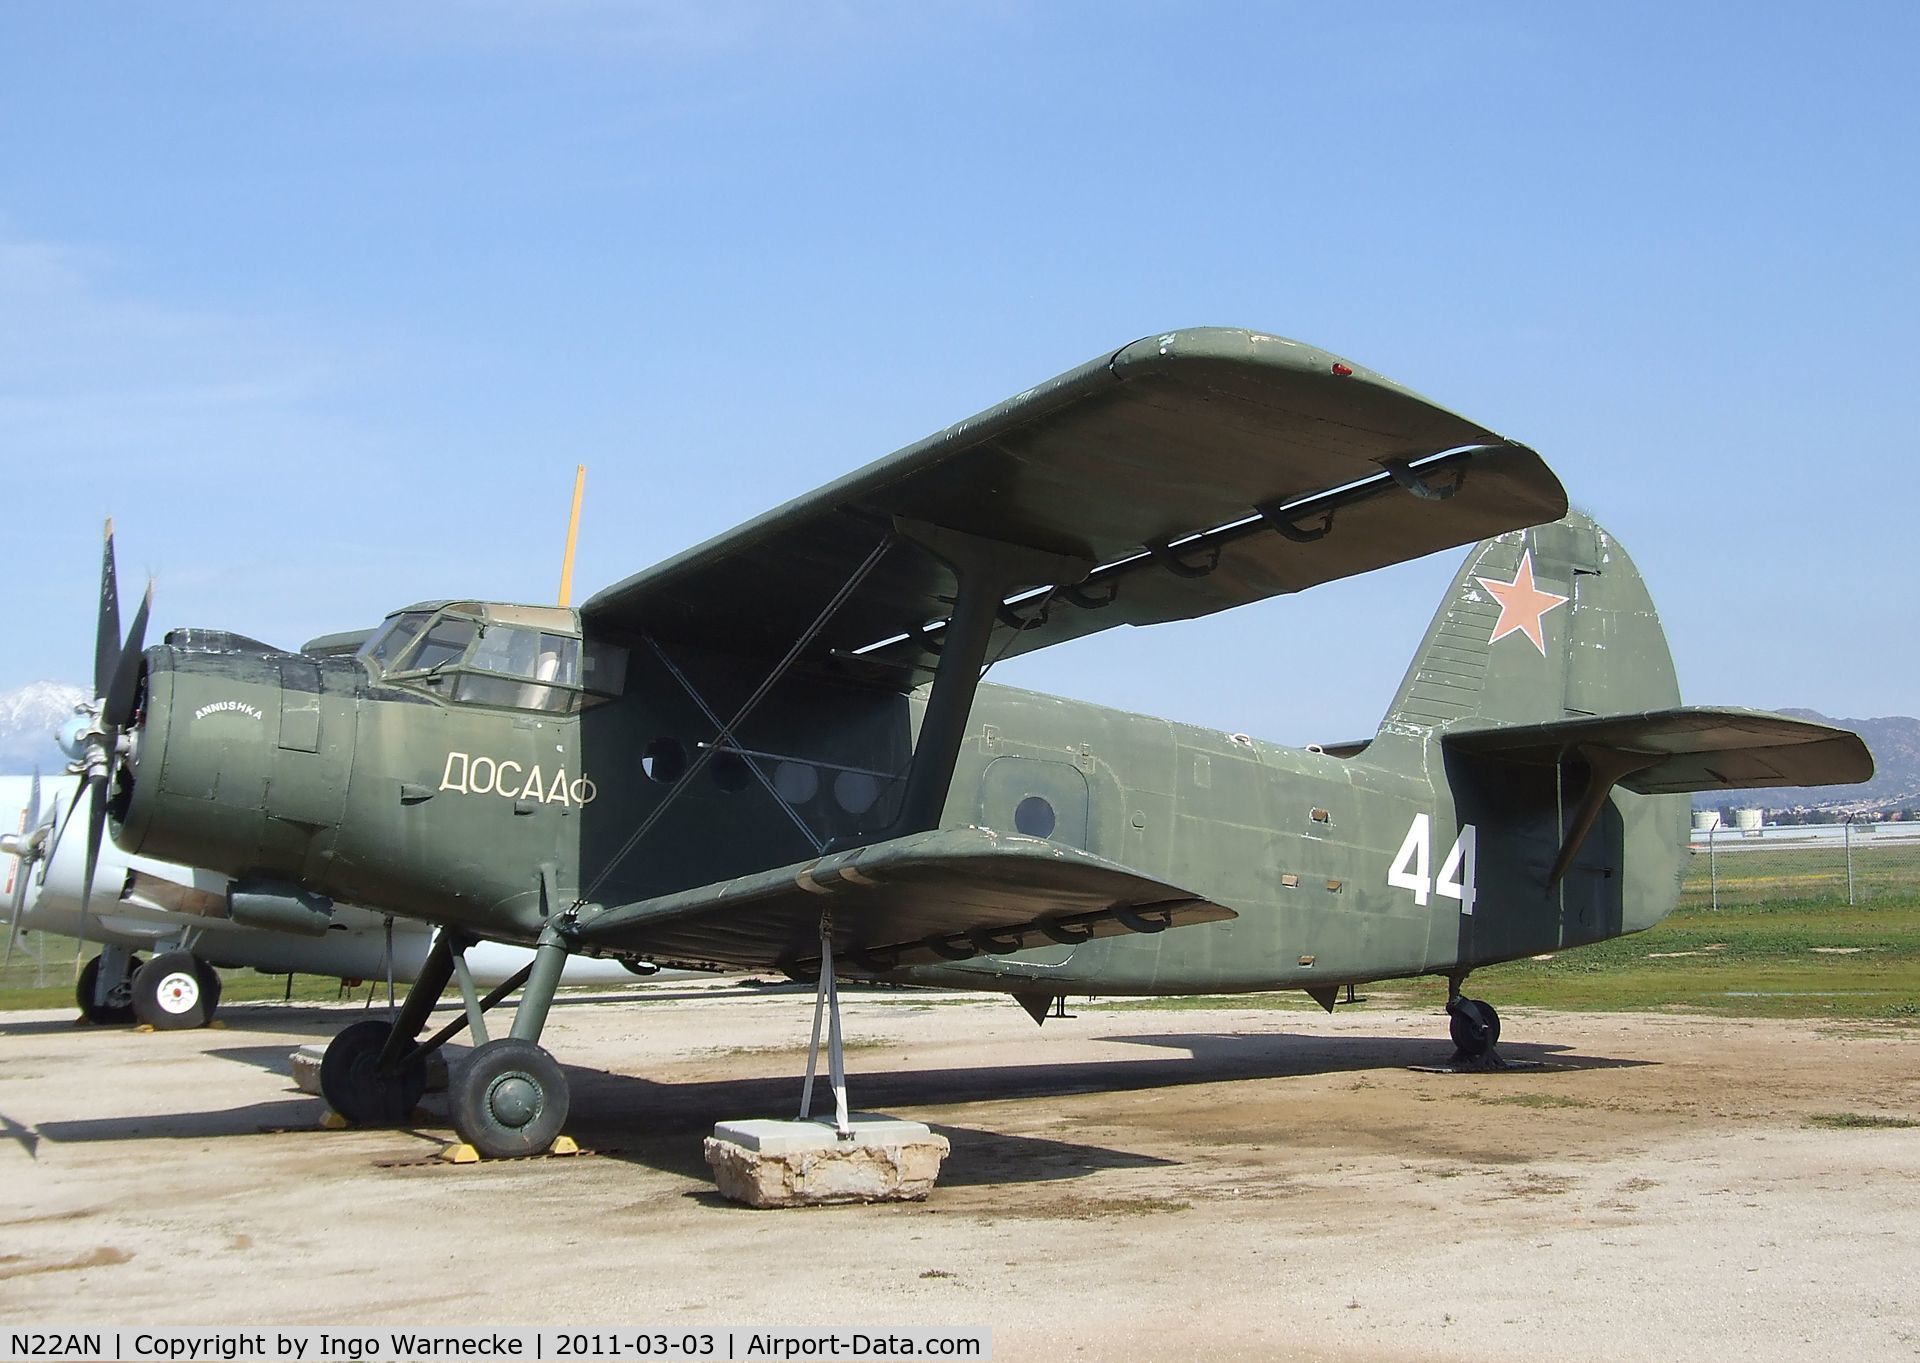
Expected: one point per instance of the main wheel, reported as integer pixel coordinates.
(210, 987)
(169, 994)
(354, 1087)
(510, 1099)
(119, 1005)
(1475, 1027)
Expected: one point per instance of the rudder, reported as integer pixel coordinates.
(1548, 623)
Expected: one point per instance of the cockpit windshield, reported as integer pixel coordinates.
(497, 655)
(443, 643)
(391, 639)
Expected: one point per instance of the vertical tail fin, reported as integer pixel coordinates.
(1541, 624)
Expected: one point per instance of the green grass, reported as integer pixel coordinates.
(1540, 1100)
(1783, 943)
(1779, 959)
(1852, 1120)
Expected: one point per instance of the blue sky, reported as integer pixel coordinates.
(323, 303)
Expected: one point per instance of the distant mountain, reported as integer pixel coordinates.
(1894, 741)
(29, 718)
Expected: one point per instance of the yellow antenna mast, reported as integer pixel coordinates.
(573, 535)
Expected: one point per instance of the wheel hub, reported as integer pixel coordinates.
(514, 1100)
(178, 992)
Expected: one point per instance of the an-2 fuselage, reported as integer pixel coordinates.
(431, 791)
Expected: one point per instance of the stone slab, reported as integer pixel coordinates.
(766, 1162)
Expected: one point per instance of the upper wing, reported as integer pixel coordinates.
(336, 645)
(1190, 472)
(1692, 747)
(926, 897)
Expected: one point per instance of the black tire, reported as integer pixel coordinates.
(118, 1009)
(509, 1099)
(169, 994)
(353, 1085)
(210, 985)
(1475, 1027)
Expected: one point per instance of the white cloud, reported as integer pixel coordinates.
(95, 374)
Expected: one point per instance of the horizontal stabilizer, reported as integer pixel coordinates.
(1684, 749)
(944, 895)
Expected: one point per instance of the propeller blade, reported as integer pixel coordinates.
(60, 825)
(19, 906)
(106, 641)
(96, 825)
(126, 675)
(22, 868)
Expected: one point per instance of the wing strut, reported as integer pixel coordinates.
(988, 572)
(1606, 768)
(827, 997)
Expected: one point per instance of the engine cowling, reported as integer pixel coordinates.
(238, 760)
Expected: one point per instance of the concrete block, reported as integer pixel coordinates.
(770, 1163)
(305, 1064)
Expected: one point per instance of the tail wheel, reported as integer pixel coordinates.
(1475, 1027)
(169, 992)
(118, 1009)
(509, 1099)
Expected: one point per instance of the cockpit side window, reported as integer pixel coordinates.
(477, 688)
(529, 667)
(530, 653)
(392, 638)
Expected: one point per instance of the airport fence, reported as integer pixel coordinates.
(40, 962)
(1861, 871)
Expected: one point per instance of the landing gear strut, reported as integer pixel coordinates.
(509, 1098)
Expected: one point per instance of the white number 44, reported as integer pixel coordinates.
(1410, 865)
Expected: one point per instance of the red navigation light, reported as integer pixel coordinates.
(1344, 371)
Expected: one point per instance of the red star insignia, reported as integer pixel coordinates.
(1521, 605)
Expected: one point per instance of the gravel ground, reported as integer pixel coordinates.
(1219, 1184)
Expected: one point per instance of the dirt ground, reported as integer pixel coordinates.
(1220, 1184)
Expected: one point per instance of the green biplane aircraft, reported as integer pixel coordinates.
(774, 750)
